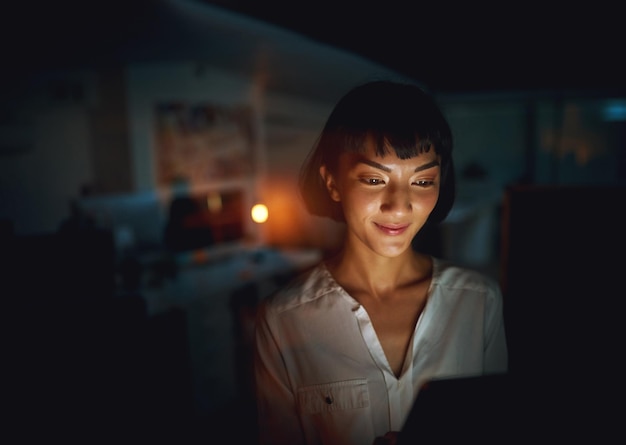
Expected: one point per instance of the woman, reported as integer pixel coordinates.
(342, 351)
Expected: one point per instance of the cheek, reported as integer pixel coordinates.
(427, 201)
(434, 198)
(359, 203)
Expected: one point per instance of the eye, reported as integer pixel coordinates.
(423, 183)
(372, 181)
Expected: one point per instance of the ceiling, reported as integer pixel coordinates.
(451, 49)
(469, 47)
(39, 39)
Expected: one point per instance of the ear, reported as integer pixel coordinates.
(329, 180)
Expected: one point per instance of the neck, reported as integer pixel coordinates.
(378, 275)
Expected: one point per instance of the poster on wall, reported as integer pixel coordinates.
(202, 143)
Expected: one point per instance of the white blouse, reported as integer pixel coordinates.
(322, 376)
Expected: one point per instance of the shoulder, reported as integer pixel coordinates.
(306, 288)
(448, 275)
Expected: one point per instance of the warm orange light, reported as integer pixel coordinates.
(259, 213)
(214, 202)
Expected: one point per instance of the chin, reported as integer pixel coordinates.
(393, 251)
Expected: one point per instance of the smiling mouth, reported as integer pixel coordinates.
(392, 229)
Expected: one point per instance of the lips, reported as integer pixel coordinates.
(392, 229)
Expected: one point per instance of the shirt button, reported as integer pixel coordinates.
(329, 400)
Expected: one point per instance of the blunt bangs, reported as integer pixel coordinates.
(396, 116)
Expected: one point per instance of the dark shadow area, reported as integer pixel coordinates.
(87, 357)
(82, 361)
(429, 240)
(563, 250)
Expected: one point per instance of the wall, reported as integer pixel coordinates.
(540, 138)
(508, 139)
(187, 83)
(292, 126)
(581, 141)
(46, 148)
(287, 129)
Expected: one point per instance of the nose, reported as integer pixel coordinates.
(396, 200)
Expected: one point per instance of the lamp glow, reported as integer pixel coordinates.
(259, 213)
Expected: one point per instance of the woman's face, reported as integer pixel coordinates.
(385, 200)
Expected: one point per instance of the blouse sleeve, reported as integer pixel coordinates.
(496, 353)
(278, 421)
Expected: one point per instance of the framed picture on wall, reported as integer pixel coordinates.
(202, 143)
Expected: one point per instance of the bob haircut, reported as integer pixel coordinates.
(400, 117)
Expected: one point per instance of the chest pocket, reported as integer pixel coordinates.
(345, 395)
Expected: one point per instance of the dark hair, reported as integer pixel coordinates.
(397, 115)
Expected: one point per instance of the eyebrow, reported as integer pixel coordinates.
(387, 169)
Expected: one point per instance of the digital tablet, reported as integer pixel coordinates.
(475, 409)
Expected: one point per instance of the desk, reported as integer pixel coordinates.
(200, 276)
(203, 289)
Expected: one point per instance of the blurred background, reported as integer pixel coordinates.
(136, 137)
